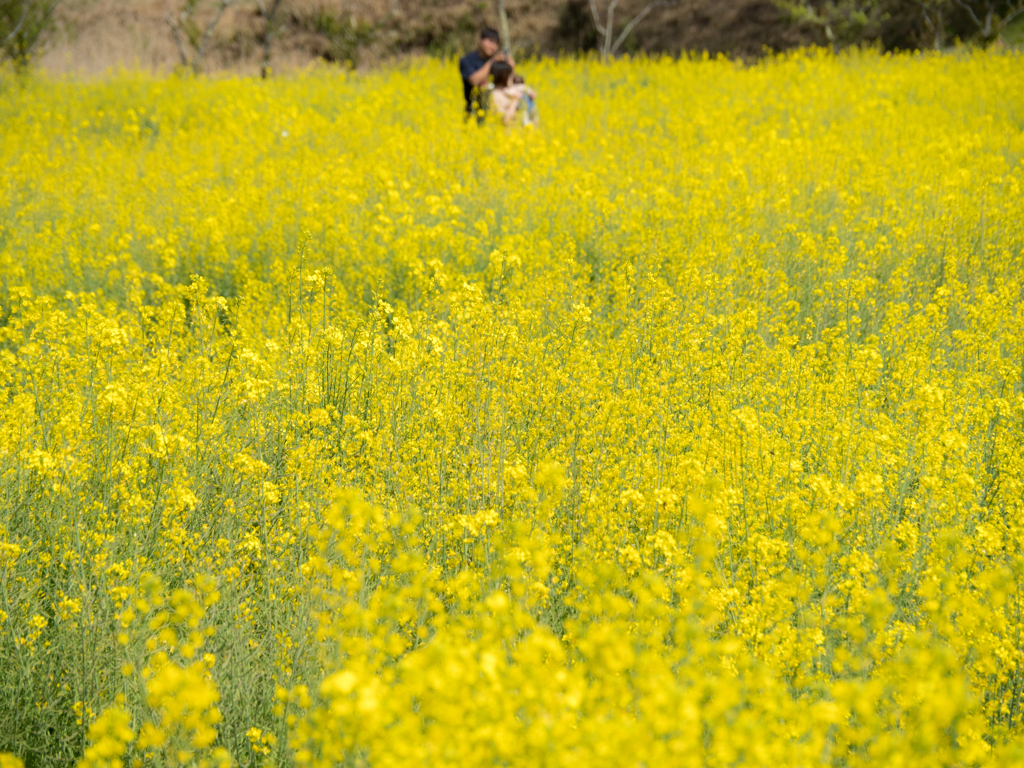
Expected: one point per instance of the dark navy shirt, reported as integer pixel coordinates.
(469, 64)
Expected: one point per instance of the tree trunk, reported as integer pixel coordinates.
(506, 40)
(269, 32)
(609, 26)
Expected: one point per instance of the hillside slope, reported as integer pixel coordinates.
(109, 33)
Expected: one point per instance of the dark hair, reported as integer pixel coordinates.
(490, 34)
(518, 79)
(501, 71)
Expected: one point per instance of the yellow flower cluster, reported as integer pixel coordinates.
(109, 734)
(687, 429)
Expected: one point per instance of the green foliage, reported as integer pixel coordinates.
(1013, 33)
(191, 38)
(989, 17)
(193, 32)
(843, 21)
(344, 35)
(901, 23)
(25, 25)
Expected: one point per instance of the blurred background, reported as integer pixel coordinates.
(250, 36)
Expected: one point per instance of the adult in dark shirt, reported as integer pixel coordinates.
(475, 68)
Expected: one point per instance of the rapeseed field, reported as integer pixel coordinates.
(684, 429)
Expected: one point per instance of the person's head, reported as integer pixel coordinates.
(517, 78)
(502, 73)
(489, 42)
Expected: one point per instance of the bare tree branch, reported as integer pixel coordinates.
(196, 41)
(609, 29)
(636, 20)
(994, 21)
(205, 40)
(270, 31)
(970, 12)
(38, 26)
(17, 29)
(606, 28)
(597, 19)
(931, 12)
(176, 34)
(1012, 15)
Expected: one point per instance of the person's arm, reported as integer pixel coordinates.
(479, 77)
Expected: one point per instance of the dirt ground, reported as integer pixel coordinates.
(106, 34)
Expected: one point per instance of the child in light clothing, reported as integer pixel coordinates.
(505, 98)
(528, 100)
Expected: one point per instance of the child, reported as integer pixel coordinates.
(528, 100)
(505, 98)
